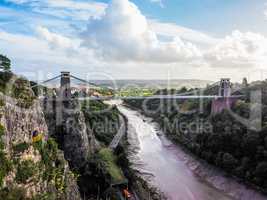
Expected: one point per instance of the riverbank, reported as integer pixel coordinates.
(138, 184)
(159, 157)
(215, 177)
(138, 181)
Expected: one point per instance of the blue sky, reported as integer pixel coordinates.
(147, 39)
(214, 16)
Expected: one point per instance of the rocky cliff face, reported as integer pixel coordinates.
(35, 170)
(20, 122)
(66, 122)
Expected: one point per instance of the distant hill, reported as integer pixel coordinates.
(149, 84)
(177, 83)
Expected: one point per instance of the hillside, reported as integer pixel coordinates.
(224, 140)
(29, 170)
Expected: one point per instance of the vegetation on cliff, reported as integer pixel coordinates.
(28, 170)
(220, 139)
(102, 119)
(39, 165)
(5, 163)
(17, 87)
(5, 63)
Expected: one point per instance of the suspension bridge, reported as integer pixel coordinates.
(222, 100)
(65, 90)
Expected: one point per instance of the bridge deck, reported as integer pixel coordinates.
(156, 97)
(152, 97)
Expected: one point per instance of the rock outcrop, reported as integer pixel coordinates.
(39, 170)
(66, 122)
(20, 122)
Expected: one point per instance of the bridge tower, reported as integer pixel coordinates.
(225, 88)
(65, 90)
(63, 97)
(224, 100)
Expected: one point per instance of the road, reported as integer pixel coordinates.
(122, 130)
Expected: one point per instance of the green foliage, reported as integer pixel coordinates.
(2, 132)
(5, 166)
(26, 170)
(23, 93)
(5, 163)
(13, 193)
(5, 78)
(229, 162)
(141, 92)
(109, 160)
(21, 147)
(2, 102)
(53, 166)
(5, 62)
(18, 88)
(45, 196)
(261, 170)
(105, 125)
(229, 145)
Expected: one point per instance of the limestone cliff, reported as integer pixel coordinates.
(31, 170)
(67, 124)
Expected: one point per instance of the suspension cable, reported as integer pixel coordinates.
(46, 81)
(90, 83)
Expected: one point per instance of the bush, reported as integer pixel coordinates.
(5, 62)
(21, 147)
(229, 162)
(26, 170)
(2, 132)
(5, 163)
(45, 196)
(2, 102)
(5, 77)
(13, 194)
(107, 157)
(23, 93)
(261, 170)
(5, 166)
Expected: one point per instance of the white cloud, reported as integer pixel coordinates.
(56, 41)
(49, 53)
(121, 40)
(65, 8)
(18, 1)
(239, 50)
(160, 2)
(173, 30)
(123, 34)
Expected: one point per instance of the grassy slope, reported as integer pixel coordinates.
(109, 160)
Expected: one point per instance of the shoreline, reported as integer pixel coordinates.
(141, 187)
(212, 175)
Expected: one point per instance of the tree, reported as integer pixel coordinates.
(250, 143)
(261, 170)
(245, 82)
(5, 63)
(182, 90)
(229, 162)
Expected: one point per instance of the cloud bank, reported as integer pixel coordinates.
(238, 50)
(123, 34)
(78, 10)
(119, 34)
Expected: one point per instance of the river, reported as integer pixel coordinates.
(178, 175)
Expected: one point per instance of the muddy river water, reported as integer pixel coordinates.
(178, 175)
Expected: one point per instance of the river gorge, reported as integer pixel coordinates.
(176, 173)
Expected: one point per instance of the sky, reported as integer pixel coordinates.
(136, 39)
